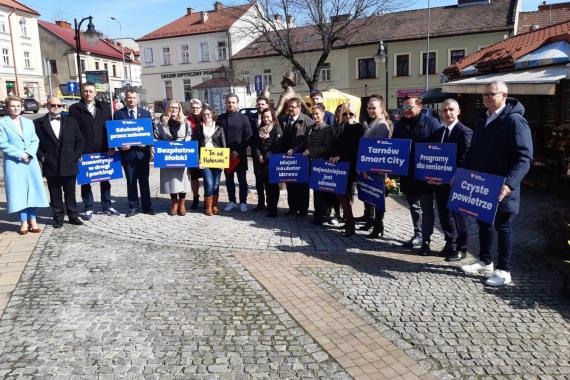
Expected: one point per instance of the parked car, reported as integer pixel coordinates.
(30, 105)
(3, 109)
(248, 112)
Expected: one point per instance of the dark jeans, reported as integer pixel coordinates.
(87, 196)
(503, 225)
(136, 167)
(322, 201)
(298, 197)
(211, 181)
(55, 187)
(271, 189)
(259, 171)
(231, 186)
(422, 212)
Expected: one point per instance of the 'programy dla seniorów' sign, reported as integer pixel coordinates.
(435, 162)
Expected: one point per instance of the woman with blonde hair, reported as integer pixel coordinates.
(345, 148)
(22, 174)
(173, 126)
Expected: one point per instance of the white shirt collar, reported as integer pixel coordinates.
(492, 116)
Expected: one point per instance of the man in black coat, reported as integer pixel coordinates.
(262, 103)
(91, 115)
(60, 148)
(295, 128)
(418, 127)
(454, 224)
(501, 145)
(238, 136)
(135, 159)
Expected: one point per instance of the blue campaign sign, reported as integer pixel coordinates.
(72, 87)
(98, 167)
(475, 194)
(384, 156)
(329, 177)
(283, 168)
(258, 83)
(176, 154)
(371, 190)
(129, 132)
(435, 162)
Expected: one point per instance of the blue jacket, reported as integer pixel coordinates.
(140, 152)
(504, 147)
(420, 129)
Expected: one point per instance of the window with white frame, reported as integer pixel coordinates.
(27, 60)
(456, 55)
(166, 55)
(366, 68)
(168, 89)
(184, 54)
(187, 86)
(106, 66)
(246, 78)
(3, 27)
(96, 65)
(6, 57)
(326, 72)
(23, 27)
(114, 70)
(148, 59)
(204, 51)
(431, 62)
(267, 77)
(126, 72)
(222, 51)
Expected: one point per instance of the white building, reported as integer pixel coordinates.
(21, 71)
(185, 52)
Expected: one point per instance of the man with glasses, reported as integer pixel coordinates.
(418, 127)
(501, 145)
(60, 148)
(91, 115)
(135, 159)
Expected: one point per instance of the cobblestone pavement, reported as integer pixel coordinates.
(187, 297)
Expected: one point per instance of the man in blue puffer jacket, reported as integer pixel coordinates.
(501, 145)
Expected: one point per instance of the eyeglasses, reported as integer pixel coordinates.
(174, 108)
(195, 108)
(56, 105)
(491, 94)
(408, 107)
(347, 114)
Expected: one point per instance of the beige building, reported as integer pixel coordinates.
(21, 71)
(455, 31)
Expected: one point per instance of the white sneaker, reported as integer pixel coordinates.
(243, 207)
(478, 268)
(230, 206)
(499, 278)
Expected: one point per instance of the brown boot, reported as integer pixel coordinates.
(208, 205)
(182, 206)
(173, 207)
(215, 210)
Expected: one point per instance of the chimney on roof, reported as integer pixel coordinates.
(188, 11)
(218, 5)
(203, 17)
(63, 24)
(277, 17)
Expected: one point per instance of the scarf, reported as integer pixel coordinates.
(173, 127)
(264, 131)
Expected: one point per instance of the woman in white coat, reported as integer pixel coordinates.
(22, 174)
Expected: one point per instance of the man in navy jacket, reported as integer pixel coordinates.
(501, 145)
(418, 127)
(453, 224)
(135, 159)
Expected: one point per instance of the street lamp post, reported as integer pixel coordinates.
(382, 57)
(123, 75)
(91, 36)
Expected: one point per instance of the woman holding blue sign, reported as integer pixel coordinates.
(173, 126)
(266, 142)
(22, 175)
(345, 148)
(211, 135)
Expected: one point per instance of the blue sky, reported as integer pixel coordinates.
(140, 17)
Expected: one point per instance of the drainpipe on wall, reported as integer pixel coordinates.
(13, 51)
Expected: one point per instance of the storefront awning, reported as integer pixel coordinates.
(540, 81)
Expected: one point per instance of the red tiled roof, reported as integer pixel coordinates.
(407, 25)
(503, 54)
(101, 47)
(21, 7)
(543, 17)
(217, 21)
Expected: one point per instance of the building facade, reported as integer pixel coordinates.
(21, 71)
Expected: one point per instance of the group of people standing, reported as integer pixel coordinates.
(500, 144)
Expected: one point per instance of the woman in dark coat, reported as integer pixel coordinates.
(349, 132)
(266, 141)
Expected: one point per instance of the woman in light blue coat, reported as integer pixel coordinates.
(22, 174)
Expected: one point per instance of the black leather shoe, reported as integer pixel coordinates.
(271, 215)
(458, 255)
(291, 212)
(446, 251)
(302, 214)
(131, 212)
(259, 208)
(415, 242)
(366, 226)
(149, 212)
(75, 221)
(349, 231)
(425, 250)
(57, 224)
